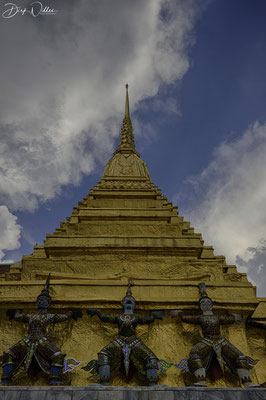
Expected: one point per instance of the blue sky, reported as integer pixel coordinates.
(196, 73)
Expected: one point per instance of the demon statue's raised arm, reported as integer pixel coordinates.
(127, 345)
(36, 346)
(213, 350)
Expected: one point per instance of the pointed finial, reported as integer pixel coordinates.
(47, 284)
(130, 283)
(45, 290)
(126, 142)
(202, 289)
(127, 103)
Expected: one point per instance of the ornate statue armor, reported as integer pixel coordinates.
(213, 350)
(127, 346)
(36, 346)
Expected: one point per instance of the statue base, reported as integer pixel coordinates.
(128, 393)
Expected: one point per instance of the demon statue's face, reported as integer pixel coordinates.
(205, 304)
(128, 304)
(42, 303)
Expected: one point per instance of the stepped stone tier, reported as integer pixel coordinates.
(126, 228)
(125, 393)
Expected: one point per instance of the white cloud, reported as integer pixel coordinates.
(230, 198)
(9, 232)
(62, 88)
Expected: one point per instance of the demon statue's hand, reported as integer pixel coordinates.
(76, 313)
(175, 313)
(158, 314)
(92, 311)
(238, 318)
(11, 313)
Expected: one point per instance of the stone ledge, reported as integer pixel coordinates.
(128, 393)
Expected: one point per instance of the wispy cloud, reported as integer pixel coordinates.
(61, 87)
(229, 203)
(9, 232)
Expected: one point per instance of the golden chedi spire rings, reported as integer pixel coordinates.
(125, 170)
(126, 142)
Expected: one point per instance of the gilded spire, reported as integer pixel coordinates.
(127, 142)
(127, 103)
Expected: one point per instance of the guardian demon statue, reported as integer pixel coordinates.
(213, 350)
(127, 345)
(36, 351)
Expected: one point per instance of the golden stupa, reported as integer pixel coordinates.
(125, 228)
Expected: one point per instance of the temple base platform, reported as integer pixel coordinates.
(128, 393)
